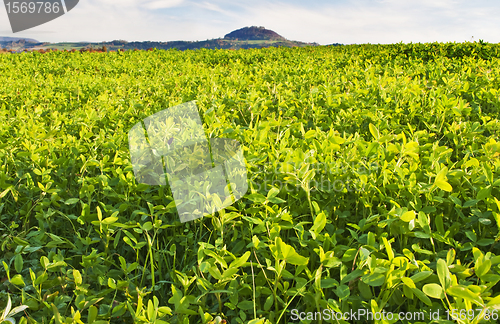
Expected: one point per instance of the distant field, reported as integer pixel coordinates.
(374, 176)
(67, 46)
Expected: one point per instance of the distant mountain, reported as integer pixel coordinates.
(254, 33)
(244, 38)
(16, 39)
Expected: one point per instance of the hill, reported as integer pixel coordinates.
(16, 39)
(254, 33)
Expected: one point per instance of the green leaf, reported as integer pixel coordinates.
(443, 185)
(423, 297)
(343, 291)
(276, 200)
(273, 192)
(146, 226)
(257, 198)
(365, 290)
(92, 316)
(269, 302)
(328, 283)
(17, 310)
(77, 276)
(463, 292)
(71, 201)
(484, 193)
(440, 180)
(310, 134)
(99, 213)
(407, 291)
(352, 275)
(151, 311)
(283, 251)
(443, 274)
(450, 257)
(491, 278)
(319, 223)
(6, 191)
(374, 131)
(471, 235)
(483, 269)
(111, 283)
(229, 273)
(433, 290)
(455, 200)
(245, 305)
(240, 261)
(17, 280)
(109, 220)
(57, 315)
(297, 259)
(6, 311)
(388, 249)
(408, 282)
(495, 302)
(408, 216)
(258, 321)
(20, 241)
(470, 203)
(485, 242)
(217, 257)
(374, 279)
(471, 162)
(18, 263)
(349, 255)
(419, 276)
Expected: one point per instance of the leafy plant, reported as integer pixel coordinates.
(374, 177)
(9, 312)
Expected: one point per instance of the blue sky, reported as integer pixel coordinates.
(324, 22)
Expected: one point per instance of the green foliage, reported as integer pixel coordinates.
(374, 175)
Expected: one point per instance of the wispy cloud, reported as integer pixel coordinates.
(214, 7)
(162, 4)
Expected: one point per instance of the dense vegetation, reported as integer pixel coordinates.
(374, 176)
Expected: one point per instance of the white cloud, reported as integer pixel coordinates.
(161, 4)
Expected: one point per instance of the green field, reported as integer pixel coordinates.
(374, 184)
(68, 46)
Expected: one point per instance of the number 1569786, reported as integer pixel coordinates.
(470, 314)
(33, 7)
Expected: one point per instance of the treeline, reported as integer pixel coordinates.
(103, 49)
